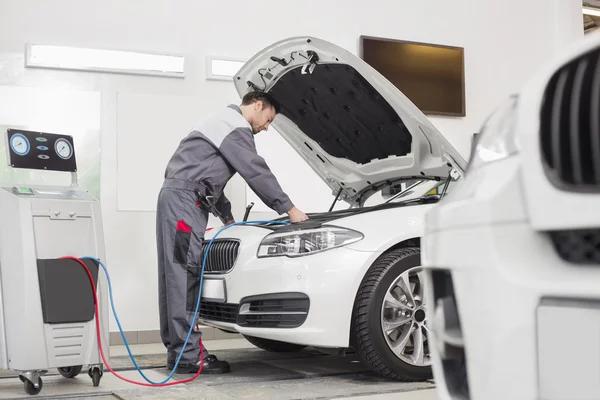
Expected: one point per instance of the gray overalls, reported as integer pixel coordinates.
(201, 166)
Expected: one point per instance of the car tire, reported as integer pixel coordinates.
(368, 317)
(274, 345)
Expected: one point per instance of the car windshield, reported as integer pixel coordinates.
(408, 191)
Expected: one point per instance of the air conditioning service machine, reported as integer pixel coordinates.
(47, 308)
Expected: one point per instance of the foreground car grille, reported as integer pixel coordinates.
(221, 255)
(578, 246)
(570, 125)
(280, 310)
(218, 312)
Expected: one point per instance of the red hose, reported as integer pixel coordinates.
(100, 338)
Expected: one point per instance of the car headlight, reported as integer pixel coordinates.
(497, 139)
(305, 242)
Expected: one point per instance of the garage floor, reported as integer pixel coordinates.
(256, 374)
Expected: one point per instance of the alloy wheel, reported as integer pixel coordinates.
(404, 318)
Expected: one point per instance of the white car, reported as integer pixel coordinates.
(512, 255)
(348, 278)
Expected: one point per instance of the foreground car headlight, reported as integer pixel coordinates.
(497, 139)
(306, 242)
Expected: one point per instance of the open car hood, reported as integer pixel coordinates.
(356, 130)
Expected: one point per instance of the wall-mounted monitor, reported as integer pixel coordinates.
(432, 76)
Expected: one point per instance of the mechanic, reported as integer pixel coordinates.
(201, 166)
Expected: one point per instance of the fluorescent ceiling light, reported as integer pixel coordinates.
(222, 68)
(82, 59)
(591, 11)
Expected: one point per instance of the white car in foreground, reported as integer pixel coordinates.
(512, 255)
(348, 278)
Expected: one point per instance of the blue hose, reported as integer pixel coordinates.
(112, 304)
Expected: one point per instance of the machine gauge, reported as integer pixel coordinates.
(63, 149)
(19, 144)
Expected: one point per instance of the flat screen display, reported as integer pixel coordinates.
(431, 76)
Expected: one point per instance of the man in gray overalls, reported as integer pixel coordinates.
(201, 166)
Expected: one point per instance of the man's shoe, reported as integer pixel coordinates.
(212, 365)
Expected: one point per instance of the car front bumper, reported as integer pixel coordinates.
(305, 300)
(528, 322)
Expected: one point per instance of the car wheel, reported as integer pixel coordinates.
(389, 322)
(274, 345)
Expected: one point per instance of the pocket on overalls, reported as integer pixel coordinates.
(183, 235)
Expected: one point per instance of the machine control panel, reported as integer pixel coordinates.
(40, 151)
(50, 193)
(23, 190)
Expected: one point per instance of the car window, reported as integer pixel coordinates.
(411, 191)
(400, 192)
(426, 188)
(438, 189)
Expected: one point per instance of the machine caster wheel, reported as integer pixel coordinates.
(70, 372)
(96, 374)
(30, 387)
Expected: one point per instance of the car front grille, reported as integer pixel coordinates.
(578, 246)
(275, 310)
(570, 125)
(212, 311)
(222, 255)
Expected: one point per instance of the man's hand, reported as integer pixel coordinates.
(232, 221)
(296, 215)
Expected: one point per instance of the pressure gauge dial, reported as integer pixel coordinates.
(63, 149)
(19, 144)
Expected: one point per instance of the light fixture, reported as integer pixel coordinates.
(222, 69)
(591, 11)
(100, 60)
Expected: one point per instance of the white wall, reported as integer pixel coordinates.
(504, 42)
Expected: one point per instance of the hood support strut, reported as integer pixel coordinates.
(336, 199)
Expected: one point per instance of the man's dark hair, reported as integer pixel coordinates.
(259, 95)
